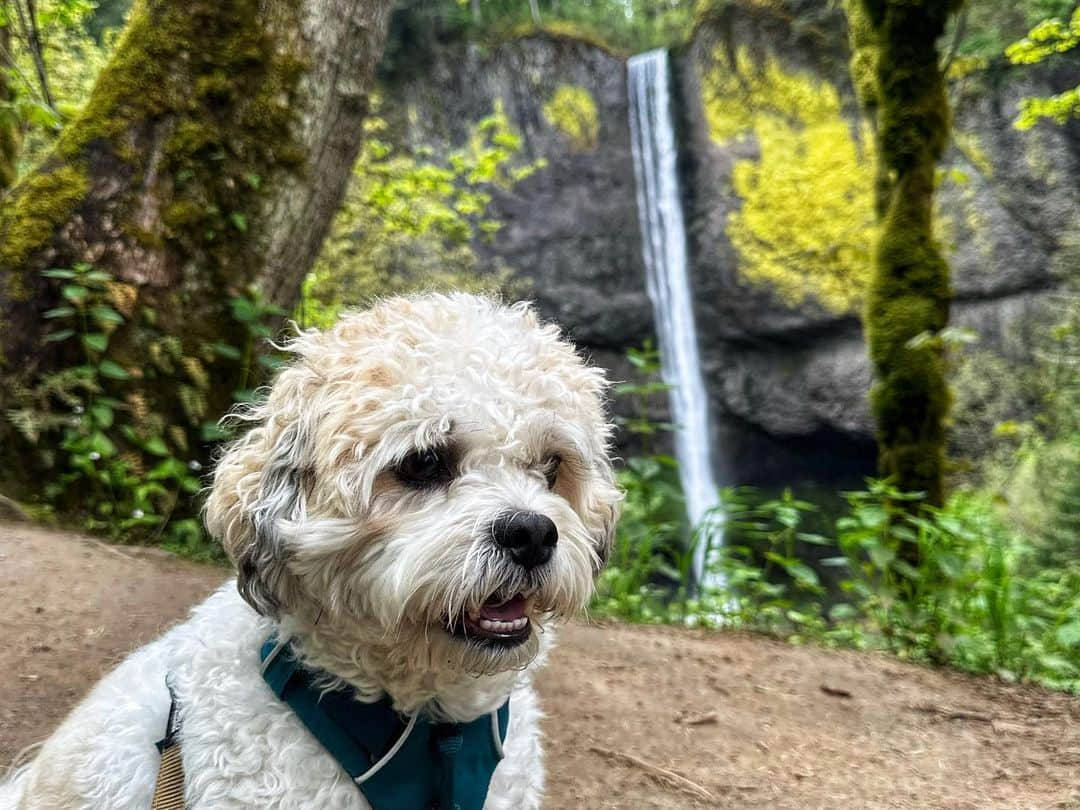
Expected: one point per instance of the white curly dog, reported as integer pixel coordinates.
(426, 487)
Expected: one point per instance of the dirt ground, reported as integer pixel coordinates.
(637, 717)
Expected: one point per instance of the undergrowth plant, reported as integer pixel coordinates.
(117, 471)
(978, 600)
(128, 481)
(647, 577)
(983, 596)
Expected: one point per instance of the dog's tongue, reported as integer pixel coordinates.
(506, 612)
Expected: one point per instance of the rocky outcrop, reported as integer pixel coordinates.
(570, 233)
(787, 383)
(1009, 206)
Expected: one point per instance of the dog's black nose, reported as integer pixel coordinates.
(529, 537)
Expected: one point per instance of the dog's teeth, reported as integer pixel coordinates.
(503, 627)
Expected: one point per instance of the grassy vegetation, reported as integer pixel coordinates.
(995, 589)
(980, 599)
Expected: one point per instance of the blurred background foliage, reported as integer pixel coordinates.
(410, 219)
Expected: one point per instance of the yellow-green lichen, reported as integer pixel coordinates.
(806, 222)
(968, 145)
(572, 111)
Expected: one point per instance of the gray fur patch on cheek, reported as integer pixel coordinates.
(263, 578)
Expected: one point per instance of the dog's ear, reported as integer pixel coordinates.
(257, 494)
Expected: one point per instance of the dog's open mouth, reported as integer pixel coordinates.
(500, 620)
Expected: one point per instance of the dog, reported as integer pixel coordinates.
(424, 491)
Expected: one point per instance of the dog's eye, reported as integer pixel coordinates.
(423, 468)
(551, 469)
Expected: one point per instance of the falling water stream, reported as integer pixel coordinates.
(663, 239)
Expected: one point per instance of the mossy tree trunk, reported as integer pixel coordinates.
(897, 72)
(9, 127)
(209, 161)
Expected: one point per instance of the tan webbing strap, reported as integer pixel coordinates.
(169, 788)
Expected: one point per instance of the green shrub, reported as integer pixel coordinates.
(111, 464)
(979, 600)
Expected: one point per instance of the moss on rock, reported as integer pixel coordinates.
(806, 221)
(572, 111)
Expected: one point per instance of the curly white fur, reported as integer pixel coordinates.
(363, 571)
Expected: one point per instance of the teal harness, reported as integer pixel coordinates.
(397, 763)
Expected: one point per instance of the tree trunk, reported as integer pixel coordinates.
(896, 68)
(534, 11)
(9, 126)
(214, 150)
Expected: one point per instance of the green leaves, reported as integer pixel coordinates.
(76, 293)
(112, 370)
(155, 445)
(1048, 38)
(56, 337)
(974, 600)
(411, 218)
(225, 350)
(107, 449)
(96, 341)
(1060, 108)
(105, 315)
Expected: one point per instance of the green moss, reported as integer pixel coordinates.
(9, 149)
(572, 111)
(221, 93)
(32, 213)
(9, 153)
(863, 54)
(909, 292)
(562, 30)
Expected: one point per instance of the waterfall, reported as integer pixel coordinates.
(663, 239)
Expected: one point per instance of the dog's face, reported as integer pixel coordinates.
(432, 473)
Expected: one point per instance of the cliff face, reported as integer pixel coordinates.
(1008, 210)
(570, 232)
(787, 376)
(570, 236)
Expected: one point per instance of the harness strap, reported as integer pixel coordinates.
(284, 675)
(398, 762)
(169, 787)
(448, 745)
(449, 764)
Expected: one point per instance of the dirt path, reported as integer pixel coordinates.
(751, 722)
